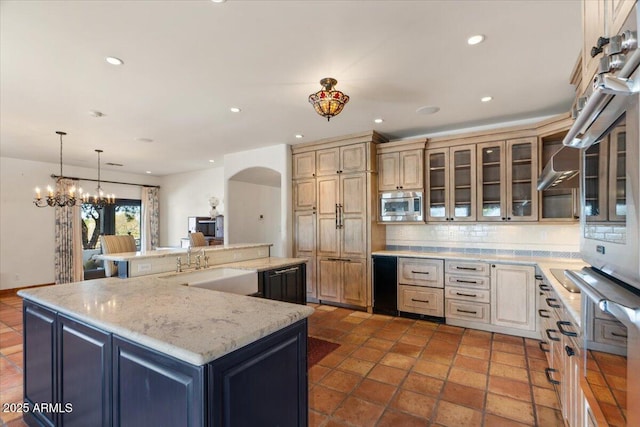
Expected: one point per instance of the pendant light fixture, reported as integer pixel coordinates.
(58, 198)
(328, 102)
(99, 199)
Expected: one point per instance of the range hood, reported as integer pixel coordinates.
(562, 170)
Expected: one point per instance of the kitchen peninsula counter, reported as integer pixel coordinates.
(173, 252)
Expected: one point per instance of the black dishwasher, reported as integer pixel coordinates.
(385, 285)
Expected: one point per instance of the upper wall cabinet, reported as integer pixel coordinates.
(346, 159)
(451, 184)
(507, 173)
(401, 165)
(304, 165)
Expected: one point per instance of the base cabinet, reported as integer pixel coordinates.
(111, 381)
(342, 280)
(513, 296)
(284, 284)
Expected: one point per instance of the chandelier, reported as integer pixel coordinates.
(58, 198)
(328, 102)
(99, 200)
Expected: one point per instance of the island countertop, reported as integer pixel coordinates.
(191, 324)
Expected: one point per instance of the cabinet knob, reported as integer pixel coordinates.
(509, 218)
(504, 219)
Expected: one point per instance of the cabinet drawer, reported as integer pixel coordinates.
(421, 272)
(412, 299)
(466, 294)
(467, 311)
(463, 267)
(476, 282)
(608, 332)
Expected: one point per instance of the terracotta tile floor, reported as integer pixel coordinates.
(387, 372)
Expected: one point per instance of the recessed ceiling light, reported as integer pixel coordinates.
(299, 136)
(477, 39)
(212, 161)
(218, 1)
(148, 171)
(378, 120)
(486, 98)
(144, 139)
(428, 109)
(235, 109)
(113, 60)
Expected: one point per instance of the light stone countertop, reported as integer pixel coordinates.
(191, 324)
(264, 264)
(570, 300)
(160, 253)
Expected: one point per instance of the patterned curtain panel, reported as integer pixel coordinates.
(150, 218)
(68, 234)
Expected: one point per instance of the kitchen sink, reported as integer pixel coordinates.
(234, 280)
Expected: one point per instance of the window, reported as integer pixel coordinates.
(123, 217)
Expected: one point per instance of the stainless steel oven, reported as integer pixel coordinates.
(607, 132)
(401, 206)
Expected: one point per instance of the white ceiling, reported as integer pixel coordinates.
(188, 62)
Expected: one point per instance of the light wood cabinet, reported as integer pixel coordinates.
(616, 13)
(335, 225)
(451, 184)
(402, 170)
(420, 283)
(507, 172)
(513, 298)
(593, 27)
(345, 159)
(304, 165)
(304, 194)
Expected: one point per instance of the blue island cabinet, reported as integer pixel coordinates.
(95, 378)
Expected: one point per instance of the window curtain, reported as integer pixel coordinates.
(68, 234)
(150, 218)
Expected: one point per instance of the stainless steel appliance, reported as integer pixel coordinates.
(607, 132)
(401, 206)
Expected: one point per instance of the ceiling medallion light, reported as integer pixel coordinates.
(474, 40)
(427, 109)
(57, 198)
(99, 200)
(328, 102)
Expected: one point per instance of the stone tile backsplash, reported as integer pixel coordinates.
(528, 240)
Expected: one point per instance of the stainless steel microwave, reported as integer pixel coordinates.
(401, 206)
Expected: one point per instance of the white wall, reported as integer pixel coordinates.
(278, 158)
(534, 237)
(184, 195)
(27, 232)
(247, 202)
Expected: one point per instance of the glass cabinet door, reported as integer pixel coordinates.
(463, 183)
(561, 202)
(595, 181)
(618, 175)
(437, 184)
(522, 196)
(491, 161)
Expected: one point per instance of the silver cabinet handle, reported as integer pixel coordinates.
(287, 270)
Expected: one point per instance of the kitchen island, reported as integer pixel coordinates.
(141, 351)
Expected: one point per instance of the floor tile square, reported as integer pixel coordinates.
(398, 361)
(423, 384)
(432, 369)
(358, 366)
(414, 403)
(463, 395)
(510, 408)
(392, 418)
(325, 400)
(359, 412)
(341, 381)
(511, 388)
(452, 415)
(471, 364)
(375, 391)
(468, 378)
(387, 374)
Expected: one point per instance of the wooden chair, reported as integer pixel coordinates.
(197, 239)
(116, 245)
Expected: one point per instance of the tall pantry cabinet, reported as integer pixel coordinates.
(335, 210)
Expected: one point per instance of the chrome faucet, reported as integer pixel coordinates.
(189, 256)
(179, 265)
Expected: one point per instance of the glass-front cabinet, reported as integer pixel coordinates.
(595, 181)
(562, 201)
(507, 174)
(451, 183)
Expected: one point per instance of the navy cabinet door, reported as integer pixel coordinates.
(84, 363)
(39, 360)
(155, 390)
(262, 384)
(286, 284)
